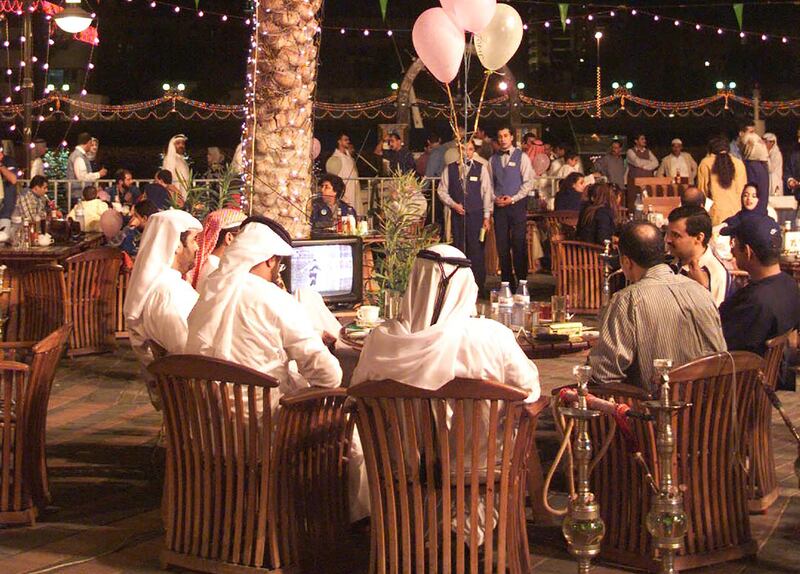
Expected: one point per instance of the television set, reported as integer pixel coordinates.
(330, 266)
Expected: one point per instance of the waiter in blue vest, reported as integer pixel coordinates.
(470, 211)
(512, 179)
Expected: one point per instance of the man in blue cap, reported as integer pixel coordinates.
(770, 304)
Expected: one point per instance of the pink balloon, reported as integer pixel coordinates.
(470, 15)
(316, 147)
(439, 44)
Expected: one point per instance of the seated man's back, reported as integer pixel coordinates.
(660, 316)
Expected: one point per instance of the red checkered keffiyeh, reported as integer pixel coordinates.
(213, 225)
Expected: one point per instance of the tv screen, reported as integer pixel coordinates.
(330, 266)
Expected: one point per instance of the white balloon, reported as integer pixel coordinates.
(499, 41)
(333, 165)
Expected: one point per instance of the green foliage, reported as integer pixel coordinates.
(56, 162)
(203, 199)
(401, 223)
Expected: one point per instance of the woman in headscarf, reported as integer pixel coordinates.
(721, 177)
(598, 217)
(750, 203)
(570, 192)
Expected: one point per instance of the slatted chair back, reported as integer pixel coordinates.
(44, 291)
(436, 460)
(16, 503)
(709, 462)
(561, 226)
(44, 360)
(91, 299)
(659, 186)
(121, 329)
(763, 483)
(663, 205)
(579, 275)
(218, 505)
(312, 448)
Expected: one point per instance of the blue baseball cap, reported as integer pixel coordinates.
(760, 232)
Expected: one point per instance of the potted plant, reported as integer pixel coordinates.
(401, 221)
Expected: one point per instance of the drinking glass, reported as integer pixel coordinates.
(559, 304)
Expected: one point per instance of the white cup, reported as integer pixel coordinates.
(45, 239)
(368, 314)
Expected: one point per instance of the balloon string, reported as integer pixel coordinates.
(457, 135)
(488, 74)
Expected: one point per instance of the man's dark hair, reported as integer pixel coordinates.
(279, 229)
(433, 137)
(692, 195)
(89, 193)
(185, 237)
(145, 208)
(643, 243)
(38, 181)
(84, 138)
(337, 183)
(506, 127)
(223, 233)
(697, 221)
(396, 135)
(528, 136)
(571, 154)
(340, 134)
(638, 135)
(120, 174)
(164, 175)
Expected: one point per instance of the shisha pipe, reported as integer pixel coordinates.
(776, 402)
(666, 521)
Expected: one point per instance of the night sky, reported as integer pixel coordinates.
(142, 48)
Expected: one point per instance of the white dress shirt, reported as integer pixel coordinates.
(487, 193)
(775, 171)
(37, 167)
(79, 166)
(719, 278)
(349, 173)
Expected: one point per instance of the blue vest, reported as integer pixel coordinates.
(507, 180)
(474, 202)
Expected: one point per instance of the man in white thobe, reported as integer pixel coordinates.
(159, 300)
(343, 164)
(436, 339)
(244, 317)
(775, 163)
(176, 163)
(678, 163)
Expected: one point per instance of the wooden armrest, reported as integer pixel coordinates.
(557, 391)
(13, 366)
(18, 345)
(311, 394)
(533, 410)
(622, 389)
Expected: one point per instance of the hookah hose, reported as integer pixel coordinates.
(619, 414)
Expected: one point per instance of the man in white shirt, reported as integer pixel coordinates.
(159, 300)
(343, 164)
(775, 163)
(79, 166)
(472, 210)
(512, 180)
(37, 163)
(678, 163)
(176, 164)
(641, 161)
(219, 229)
(688, 241)
(244, 317)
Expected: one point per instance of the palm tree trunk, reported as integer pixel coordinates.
(284, 59)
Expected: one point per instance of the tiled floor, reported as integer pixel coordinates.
(106, 482)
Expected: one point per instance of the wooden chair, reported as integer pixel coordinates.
(121, 330)
(227, 506)
(91, 281)
(710, 438)
(659, 186)
(24, 396)
(560, 226)
(44, 292)
(424, 495)
(763, 485)
(579, 275)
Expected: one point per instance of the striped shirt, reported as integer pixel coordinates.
(661, 316)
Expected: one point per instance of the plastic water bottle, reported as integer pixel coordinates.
(522, 301)
(505, 303)
(638, 208)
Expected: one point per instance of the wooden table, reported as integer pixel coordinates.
(532, 348)
(19, 261)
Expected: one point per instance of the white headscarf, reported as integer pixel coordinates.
(237, 161)
(423, 355)
(160, 240)
(254, 244)
(176, 164)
